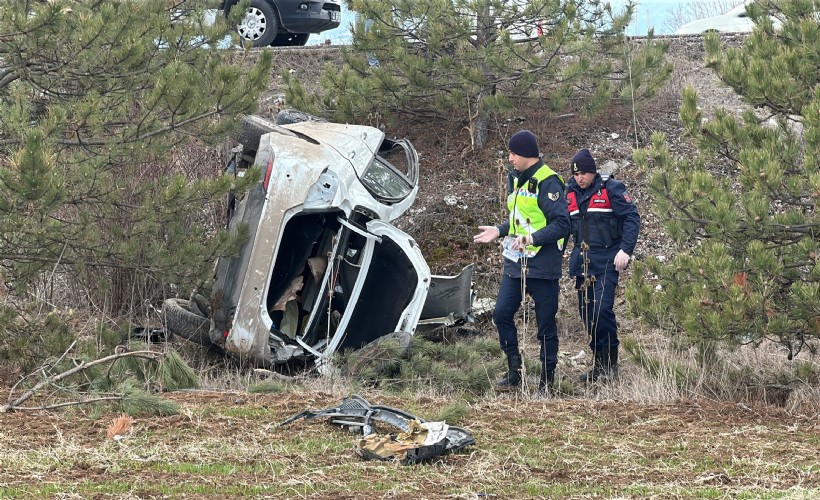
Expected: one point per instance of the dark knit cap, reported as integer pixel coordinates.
(583, 162)
(524, 143)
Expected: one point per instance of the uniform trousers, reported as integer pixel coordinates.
(595, 305)
(544, 293)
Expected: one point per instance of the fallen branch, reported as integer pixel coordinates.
(48, 380)
(67, 403)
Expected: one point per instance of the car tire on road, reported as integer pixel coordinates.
(260, 25)
(179, 320)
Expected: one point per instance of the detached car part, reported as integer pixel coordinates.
(356, 413)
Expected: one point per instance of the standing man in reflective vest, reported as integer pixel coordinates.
(605, 227)
(533, 250)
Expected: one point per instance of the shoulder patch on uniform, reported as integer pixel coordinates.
(554, 196)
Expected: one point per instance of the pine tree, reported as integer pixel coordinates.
(471, 59)
(98, 99)
(743, 214)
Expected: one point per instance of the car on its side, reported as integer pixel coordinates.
(285, 22)
(736, 20)
(323, 269)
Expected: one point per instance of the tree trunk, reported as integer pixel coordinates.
(478, 130)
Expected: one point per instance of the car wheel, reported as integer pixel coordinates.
(179, 320)
(253, 128)
(260, 24)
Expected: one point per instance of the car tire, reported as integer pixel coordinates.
(179, 320)
(253, 128)
(260, 26)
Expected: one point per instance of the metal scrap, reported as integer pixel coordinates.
(416, 441)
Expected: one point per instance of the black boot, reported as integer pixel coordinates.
(613, 362)
(512, 379)
(547, 382)
(600, 367)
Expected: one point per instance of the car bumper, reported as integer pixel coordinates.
(310, 17)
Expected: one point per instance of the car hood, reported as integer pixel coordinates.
(356, 144)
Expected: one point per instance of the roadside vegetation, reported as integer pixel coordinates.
(103, 209)
(475, 62)
(228, 444)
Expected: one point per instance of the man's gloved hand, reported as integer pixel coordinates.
(621, 260)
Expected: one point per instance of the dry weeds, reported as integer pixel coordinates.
(228, 444)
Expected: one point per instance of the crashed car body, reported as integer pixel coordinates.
(323, 270)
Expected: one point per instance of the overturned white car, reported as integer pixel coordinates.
(322, 270)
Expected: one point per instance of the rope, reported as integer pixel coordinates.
(588, 281)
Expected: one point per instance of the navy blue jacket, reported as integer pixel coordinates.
(612, 224)
(547, 263)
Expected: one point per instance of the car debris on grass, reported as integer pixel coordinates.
(416, 440)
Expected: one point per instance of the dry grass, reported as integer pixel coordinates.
(228, 444)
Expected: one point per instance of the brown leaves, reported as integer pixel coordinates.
(119, 427)
(740, 279)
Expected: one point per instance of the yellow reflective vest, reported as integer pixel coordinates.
(526, 216)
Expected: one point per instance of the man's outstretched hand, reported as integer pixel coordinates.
(487, 234)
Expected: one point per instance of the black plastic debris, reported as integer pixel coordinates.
(149, 335)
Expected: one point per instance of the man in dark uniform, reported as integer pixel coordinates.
(605, 227)
(533, 250)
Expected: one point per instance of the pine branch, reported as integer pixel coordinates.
(49, 380)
